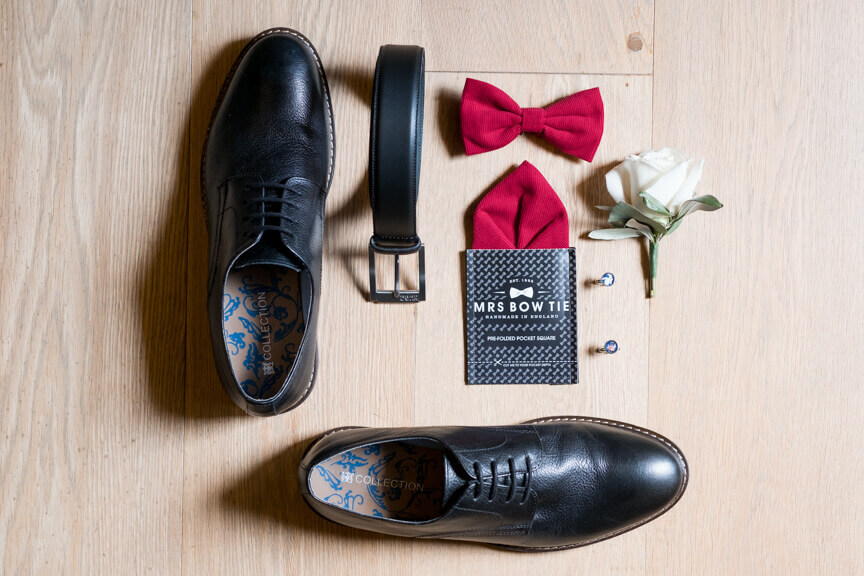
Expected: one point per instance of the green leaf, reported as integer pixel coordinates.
(707, 199)
(654, 204)
(614, 234)
(705, 203)
(641, 228)
(604, 208)
(622, 212)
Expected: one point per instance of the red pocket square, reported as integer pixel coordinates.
(522, 211)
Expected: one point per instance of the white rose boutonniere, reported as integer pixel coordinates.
(654, 191)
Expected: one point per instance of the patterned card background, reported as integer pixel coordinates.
(521, 317)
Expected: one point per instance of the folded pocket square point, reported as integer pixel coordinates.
(521, 212)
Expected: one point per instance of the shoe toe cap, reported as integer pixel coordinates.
(273, 117)
(637, 474)
(659, 474)
(608, 478)
(280, 59)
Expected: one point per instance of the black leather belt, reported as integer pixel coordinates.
(394, 164)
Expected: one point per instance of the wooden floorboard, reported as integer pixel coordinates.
(120, 453)
(92, 298)
(754, 367)
(612, 37)
(615, 387)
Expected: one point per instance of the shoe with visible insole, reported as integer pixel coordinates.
(548, 484)
(265, 172)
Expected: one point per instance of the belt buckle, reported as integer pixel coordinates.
(397, 296)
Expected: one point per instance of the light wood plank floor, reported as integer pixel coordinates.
(119, 452)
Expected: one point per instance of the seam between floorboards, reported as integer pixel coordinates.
(648, 323)
(189, 181)
(647, 74)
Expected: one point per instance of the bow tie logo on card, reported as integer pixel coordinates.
(516, 293)
(491, 120)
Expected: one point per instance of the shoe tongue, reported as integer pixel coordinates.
(270, 251)
(453, 482)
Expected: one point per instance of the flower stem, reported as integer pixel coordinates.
(652, 266)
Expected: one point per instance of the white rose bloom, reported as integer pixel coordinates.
(667, 175)
(666, 180)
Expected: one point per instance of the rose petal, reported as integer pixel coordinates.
(662, 160)
(665, 188)
(614, 185)
(688, 188)
(623, 172)
(641, 177)
(635, 184)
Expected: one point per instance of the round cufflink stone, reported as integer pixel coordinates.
(606, 280)
(610, 347)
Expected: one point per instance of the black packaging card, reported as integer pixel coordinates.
(521, 316)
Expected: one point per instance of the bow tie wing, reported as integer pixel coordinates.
(490, 118)
(574, 124)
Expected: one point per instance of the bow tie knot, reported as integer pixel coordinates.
(533, 120)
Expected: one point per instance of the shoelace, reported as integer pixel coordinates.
(511, 475)
(259, 211)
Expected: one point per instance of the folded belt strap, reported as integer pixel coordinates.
(394, 147)
(395, 142)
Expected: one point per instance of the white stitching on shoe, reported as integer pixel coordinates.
(619, 425)
(306, 390)
(326, 97)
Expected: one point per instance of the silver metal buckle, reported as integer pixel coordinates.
(397, 296)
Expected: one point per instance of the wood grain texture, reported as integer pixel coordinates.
(582, 36)
(755, 366)
(92, 301)
(240, 472)
(611, 387)
(120, 453)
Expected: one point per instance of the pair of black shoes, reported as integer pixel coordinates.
(544, 485)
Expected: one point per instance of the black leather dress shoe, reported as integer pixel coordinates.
(548, 484)
(265, 173)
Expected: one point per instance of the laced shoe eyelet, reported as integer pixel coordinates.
(263, 209)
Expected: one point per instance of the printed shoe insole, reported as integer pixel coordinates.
(396, 480)
(262, 324)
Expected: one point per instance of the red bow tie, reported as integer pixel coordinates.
(522, 211)
(491, 119)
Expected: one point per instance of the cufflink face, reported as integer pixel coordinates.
(610, 347)
(606, 280)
